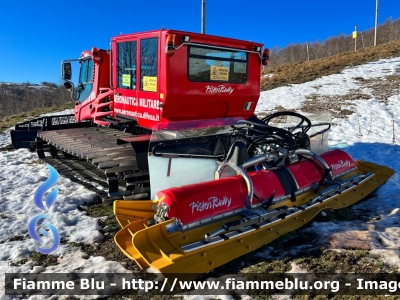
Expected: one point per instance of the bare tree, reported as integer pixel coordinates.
(387, 32)
(18, 98)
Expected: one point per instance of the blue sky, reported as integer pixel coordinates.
(35, 36)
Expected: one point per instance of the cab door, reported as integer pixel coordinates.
(125, 77)
(149, 81)
(136, 78)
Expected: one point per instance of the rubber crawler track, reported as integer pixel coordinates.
(92, 157)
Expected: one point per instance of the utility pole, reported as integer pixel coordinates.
(376, 20)
(355, 38)
(203, 16)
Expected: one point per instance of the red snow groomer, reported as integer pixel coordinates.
(169, 115)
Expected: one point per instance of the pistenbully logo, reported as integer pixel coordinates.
(38, 200)
(340, 165)
(219, 89)
(211, 203)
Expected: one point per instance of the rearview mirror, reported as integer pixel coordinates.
(66, 71)
(68, 85)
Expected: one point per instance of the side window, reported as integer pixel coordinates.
(210, 64)
(148, 64)
(86, 73)
(85, 83)
(126, 65)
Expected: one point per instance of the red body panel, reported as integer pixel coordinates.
(196, 202)
(339, 161)
(185, 99)
(305, 174)
(101, 95)
(265, 183)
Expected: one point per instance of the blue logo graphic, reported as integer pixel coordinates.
(45, 205)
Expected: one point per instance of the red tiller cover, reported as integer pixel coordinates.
(195, 202)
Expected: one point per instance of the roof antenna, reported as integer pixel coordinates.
(203, 16)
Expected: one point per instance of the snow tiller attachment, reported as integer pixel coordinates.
(227, 187)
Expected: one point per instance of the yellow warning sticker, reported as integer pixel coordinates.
(354, 34)
(150, 83)
(219, 73)
(126, 80)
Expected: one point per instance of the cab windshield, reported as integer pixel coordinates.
(85, 82)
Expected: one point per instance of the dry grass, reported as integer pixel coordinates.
(10, 121)
(383, 88)
(320, 104)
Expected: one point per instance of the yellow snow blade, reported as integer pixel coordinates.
(127, 211)
(132, 216)
(172, 253)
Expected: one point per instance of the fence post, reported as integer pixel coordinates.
(362, 39)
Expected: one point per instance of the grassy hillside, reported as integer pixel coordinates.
(306, 71)
(10, 121)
